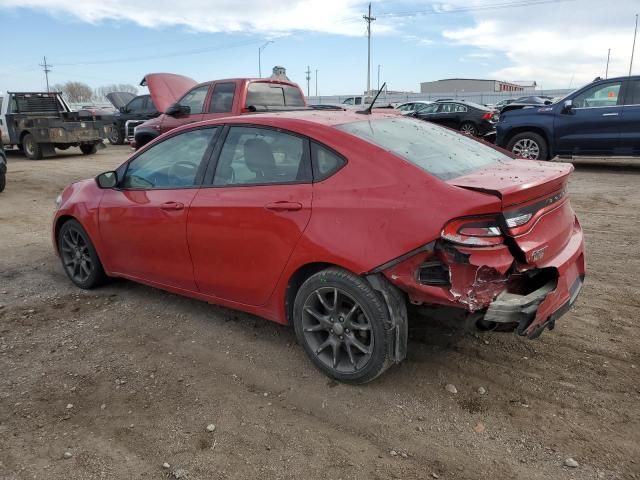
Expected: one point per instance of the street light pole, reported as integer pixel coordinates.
(316, 82)
(379, 76)
(260, 55)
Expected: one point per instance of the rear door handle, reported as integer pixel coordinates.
(610, 114)
(283, 206)
(172, 206)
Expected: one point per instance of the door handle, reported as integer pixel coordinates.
(172, 206)
(283, 206)
(610, 114)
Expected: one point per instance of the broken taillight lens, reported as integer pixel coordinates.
(473, 231)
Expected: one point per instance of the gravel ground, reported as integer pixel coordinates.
(116, 382)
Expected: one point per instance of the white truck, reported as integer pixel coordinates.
(39, 122)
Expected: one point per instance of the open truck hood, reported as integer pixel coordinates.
(120, 99)
(166, 88)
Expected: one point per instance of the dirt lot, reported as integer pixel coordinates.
(126, 377)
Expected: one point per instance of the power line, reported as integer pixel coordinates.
(368, 18)
(47, 68)
(494, 6)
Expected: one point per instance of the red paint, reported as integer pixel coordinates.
(240, 246)
(166, 88)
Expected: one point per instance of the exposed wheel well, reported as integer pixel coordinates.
(539, 131)
(23, 134)
(296, 281)
(61, 221)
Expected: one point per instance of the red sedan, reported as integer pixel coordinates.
(333, 222)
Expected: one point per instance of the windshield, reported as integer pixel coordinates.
(437, 150)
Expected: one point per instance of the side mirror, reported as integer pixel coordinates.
(107, 180)
(567, 106)
(177, 110)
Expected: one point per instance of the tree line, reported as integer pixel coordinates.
(79, 92)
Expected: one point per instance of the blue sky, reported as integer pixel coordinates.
(117, 41)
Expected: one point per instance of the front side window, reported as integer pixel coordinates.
(348, 101)
(172, 163)
(435, 149)
(433, 108)
(195, 99)
(149, 107)
(598, 96)
(135, 105)
(258, 156)
(222, 98)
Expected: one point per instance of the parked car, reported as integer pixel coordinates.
(503, 103)
(357, 101)
(467, 117)
(273, 214)
(132, 110)
(412, 107)
(526, 102)
(3, 166)
(600, 118)
(184, 101)
(40, 122)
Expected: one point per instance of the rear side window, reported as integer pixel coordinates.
(273, 95)
(222, 98)
(435, 149)
(325, 162)
(632, 96)
(599, 96)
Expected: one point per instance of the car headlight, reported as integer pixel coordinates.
(58, 200)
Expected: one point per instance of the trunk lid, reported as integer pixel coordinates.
(166, 88)
(536, 212)
(120, 99)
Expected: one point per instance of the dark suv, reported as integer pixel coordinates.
(132, 109)
(601, 118)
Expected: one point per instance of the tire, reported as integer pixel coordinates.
(62, 147)
(116, 136)
(79, 257)
(359, 325)
(3, 181)
(529, 145)
(31, 148)
(469, 128)
(88, 149)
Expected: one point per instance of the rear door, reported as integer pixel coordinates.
(244, 226)
(630, 119)
(195, 100)
(223, 100)
(592, 127)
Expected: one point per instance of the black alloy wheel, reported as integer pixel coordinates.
(79, 257)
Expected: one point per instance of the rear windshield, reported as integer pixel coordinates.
(274, 95)
(435, 149)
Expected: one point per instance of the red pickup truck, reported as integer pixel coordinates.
(184, 101)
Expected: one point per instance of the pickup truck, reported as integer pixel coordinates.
(184, 101)
(40, 122)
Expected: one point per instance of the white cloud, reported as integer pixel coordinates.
(416, 40)
(555, 44)
(249, 16)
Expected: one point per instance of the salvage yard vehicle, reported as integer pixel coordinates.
(333, 222)
(600, 119)
(411, 107)
(3, 166)
(39, 122)
(467, 117)
(132, 111)
(184, 101)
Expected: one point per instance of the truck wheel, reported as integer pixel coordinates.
(528, 145)
(3, 181)
(115, 136)
(31, 148)
(89, 149)
(341, 323)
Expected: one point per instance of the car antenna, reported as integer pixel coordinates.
(367, 111)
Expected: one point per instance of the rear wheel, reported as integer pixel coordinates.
(468, 128)
(89, 149)
(340, 321)
(31, 148)
(528, 145)
(79, 257)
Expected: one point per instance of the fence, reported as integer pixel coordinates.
(477, 97)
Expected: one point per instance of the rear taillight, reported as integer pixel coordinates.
(487, 116)
(481, 231)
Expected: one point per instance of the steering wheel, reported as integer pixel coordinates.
(181, 172)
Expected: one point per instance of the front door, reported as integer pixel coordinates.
(143, 223)
(244, 226)
(592, 126)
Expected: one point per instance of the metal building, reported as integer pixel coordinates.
(450, 85)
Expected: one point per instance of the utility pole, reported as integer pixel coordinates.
(634, 45)
(260, 55)
(47, 68)
(379, 77)
(308, 72)
(316, 82)
(368, 18)
(606, 73)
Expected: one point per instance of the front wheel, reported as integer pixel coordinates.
(89, 149)
(340, 321)
(3, 180)
(116, 136)
(79, 257)
(528, 145)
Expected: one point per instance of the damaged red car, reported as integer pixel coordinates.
(333, 222)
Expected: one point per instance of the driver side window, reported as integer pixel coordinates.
(195, 99)
(172, 163)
